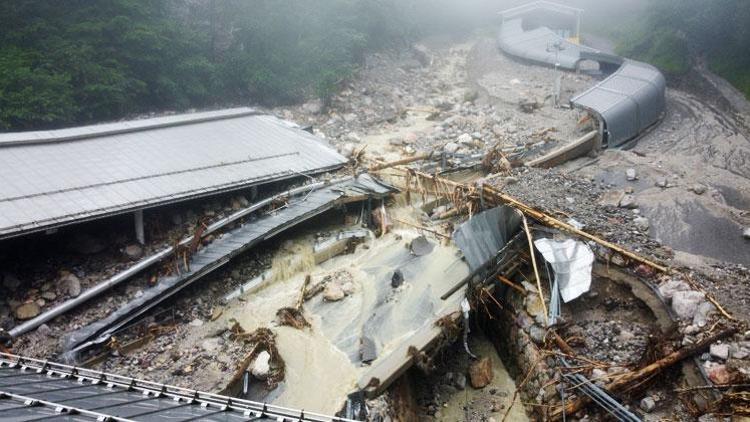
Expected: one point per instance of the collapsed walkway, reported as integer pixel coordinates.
(626, 103)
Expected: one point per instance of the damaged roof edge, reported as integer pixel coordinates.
(117, 128)
(169, 200)
(222, 250)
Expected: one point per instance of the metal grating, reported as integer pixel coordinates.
(33, 389)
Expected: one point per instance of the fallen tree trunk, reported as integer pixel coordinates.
(654, 368)
(491, 194)
(402, 161)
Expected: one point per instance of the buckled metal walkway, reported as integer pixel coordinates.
(33, 390)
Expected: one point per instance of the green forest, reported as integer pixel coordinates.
(672, 34)
(94, 60)
(83, 61)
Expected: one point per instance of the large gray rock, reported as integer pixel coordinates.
(719, 351)
(629, 202)
(685, 304)
(668, 289)
(641, 223)
(630, 174)
(705, 309)
(648, 404)
(451, 147)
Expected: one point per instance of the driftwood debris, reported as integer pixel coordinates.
(492, 195)
(629, 378)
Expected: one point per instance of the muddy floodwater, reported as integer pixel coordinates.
(323, 362)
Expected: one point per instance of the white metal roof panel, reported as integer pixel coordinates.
(57, 177)
(539, 45)
(629, 100)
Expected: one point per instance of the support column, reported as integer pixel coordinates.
(139, 233)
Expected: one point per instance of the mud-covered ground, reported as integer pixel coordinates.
(687, 205)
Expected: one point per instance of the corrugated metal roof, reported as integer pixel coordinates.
(58, 177)
(482, 236)
(628, 101)
(32, 389)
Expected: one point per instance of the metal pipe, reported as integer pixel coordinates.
(153, 259)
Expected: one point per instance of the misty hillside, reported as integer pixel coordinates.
(101, 60)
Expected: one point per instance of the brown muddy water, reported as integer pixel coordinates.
(323, 361)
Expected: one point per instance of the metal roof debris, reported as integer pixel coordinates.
(60, 177)
(483, 235)
(221, 250)
(628, 101)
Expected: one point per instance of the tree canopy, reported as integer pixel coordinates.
(92, 60)
(674, 32)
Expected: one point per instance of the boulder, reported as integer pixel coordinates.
(261, 366)
(630, 174)
(629, 202)
(465, 139)
(333, 292)
(705, 309)
(719, 351)
(746, 233)
(697, 189)
(44, 330)
(641, 223)
(397, 279)
(668, 289)
(133, 251)
(480, 372)
(685, 304)
(27, 311)
(648, 404)
(451, 147)
(69, 284)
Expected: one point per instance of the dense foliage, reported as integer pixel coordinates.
(92, 60)
(674, 32)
